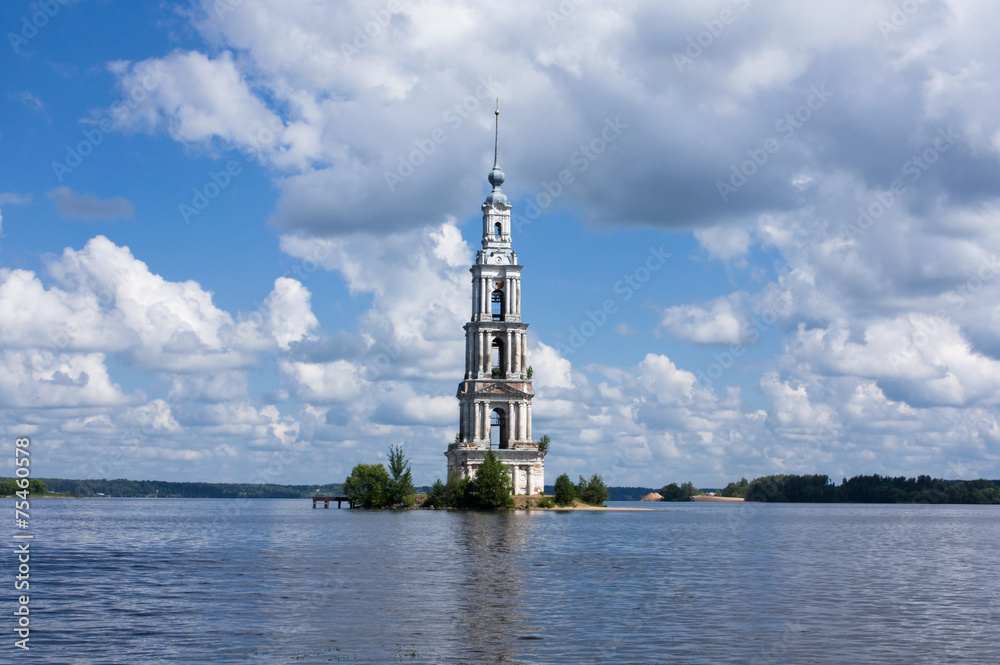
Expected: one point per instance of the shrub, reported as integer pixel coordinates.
(546, 502)
(565, 491)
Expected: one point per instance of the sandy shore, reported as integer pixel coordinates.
(586, 507)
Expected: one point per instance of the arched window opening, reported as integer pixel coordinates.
(497, 359)
(498, 429)
(498, 305)
(496, 231)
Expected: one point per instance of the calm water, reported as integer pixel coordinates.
(207, 581)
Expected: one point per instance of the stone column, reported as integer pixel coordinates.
(484, 297)
(522, 422)
(510, 296)
(487, 352)
(528, 418)
(479, 353)
(524, 349)
(529, 489)
(513, 479)
(512, 422)
(517, 297)
(468, 353)
(517, 369)
(508, 351)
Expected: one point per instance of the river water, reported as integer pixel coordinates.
(274, 581)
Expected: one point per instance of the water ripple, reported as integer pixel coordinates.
(212, 581)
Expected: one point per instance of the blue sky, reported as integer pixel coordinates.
(259, 269)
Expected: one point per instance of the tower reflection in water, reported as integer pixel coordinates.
(490, 584)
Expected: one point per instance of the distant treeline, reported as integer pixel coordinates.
(864, 489)
(9, 486)
(159, 488)
(616, 493)
(121, 487)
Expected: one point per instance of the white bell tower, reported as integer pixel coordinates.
(495, 396)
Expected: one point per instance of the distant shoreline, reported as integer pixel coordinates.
(717, 499)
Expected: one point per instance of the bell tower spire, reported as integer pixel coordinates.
(496, 210)
(496, 138)
(495, 395)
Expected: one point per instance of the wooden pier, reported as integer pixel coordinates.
(327, 499)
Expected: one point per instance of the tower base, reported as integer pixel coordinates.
(527, 468)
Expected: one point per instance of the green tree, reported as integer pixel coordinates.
(9, 486)
(738, 490)
(543, 445)
(684, 492)
(456, 491)
(592, 491)
(435, 498)
(565, 490)
(399, 490)
(366, 485)
(490, 489)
